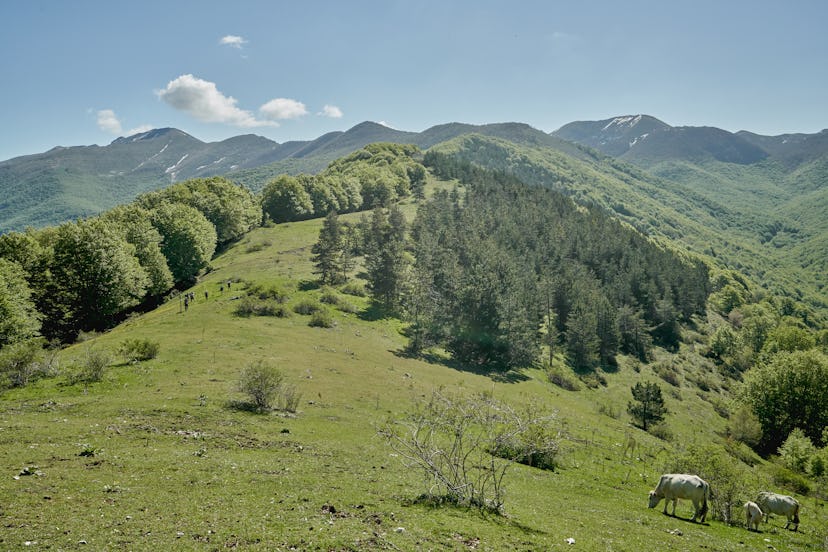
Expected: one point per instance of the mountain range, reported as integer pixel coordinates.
(66, 183)
(757, 203)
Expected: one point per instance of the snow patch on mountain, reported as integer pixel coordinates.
(629, 120)
(173, 171)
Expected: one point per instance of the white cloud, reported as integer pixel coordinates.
(331, 111)
(283, 108)
(386, 125)
(233, 41)
(108, 121)
(202, 100)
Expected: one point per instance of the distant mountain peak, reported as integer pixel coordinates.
(151, 135)
(613, 136)
(645, 140)
(625, 121)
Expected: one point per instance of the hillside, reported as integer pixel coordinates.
(715, 192)
(68, 183)
(754, 203)
(154, 456)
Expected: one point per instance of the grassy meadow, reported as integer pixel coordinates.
(154, 456)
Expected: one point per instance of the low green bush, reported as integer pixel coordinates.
(559, 378)
(137, 350)
(356, 289)
(249, 306)
(22, 363)
(306, 306)
(266, 387)
(268, 292)
(322, 319)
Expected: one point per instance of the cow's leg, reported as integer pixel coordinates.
(675, 500)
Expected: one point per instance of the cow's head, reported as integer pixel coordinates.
(654, 499)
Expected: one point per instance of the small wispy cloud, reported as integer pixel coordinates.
(283, 108)
(108, 121)
(233, 41)
(331, 111)
(139, 130)
(203, 100)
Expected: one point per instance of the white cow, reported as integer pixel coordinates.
(753, 515)
(673, 486)
(783, 505)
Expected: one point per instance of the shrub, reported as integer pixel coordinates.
(86, 336)
(563, 381)
(258, 246)
(745, 427)
(330, 297)
(261, 381)
(322, 319)
(527, 438)
(306, 306)
(288, 398)
(93, 366)
(452, 439)
(609, 410)
(353, 288)
(248, 306)
(345, 306)
(593, 380)
(23, 362)
(796, 451)
(661, 431)
(270, 292)
(265, 386)
(667, 372)
(136, 350)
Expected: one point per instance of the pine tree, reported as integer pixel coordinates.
(329, 252)
(648, 405)
(385, 257)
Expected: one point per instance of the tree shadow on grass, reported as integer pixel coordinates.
(501, 376)
(245, 406)
(308, 285)
(373, 312)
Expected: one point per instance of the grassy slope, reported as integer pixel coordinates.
(175, 468)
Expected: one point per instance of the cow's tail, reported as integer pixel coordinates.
(704, 508)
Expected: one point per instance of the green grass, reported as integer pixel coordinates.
(173, 467)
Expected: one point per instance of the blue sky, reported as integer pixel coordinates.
(86, 72)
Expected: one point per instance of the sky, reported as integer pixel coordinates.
(87, 72)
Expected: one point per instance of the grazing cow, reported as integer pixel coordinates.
(753, 515)
(783, 505)
(673, 486)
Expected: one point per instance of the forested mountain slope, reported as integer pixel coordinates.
(767, 193)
